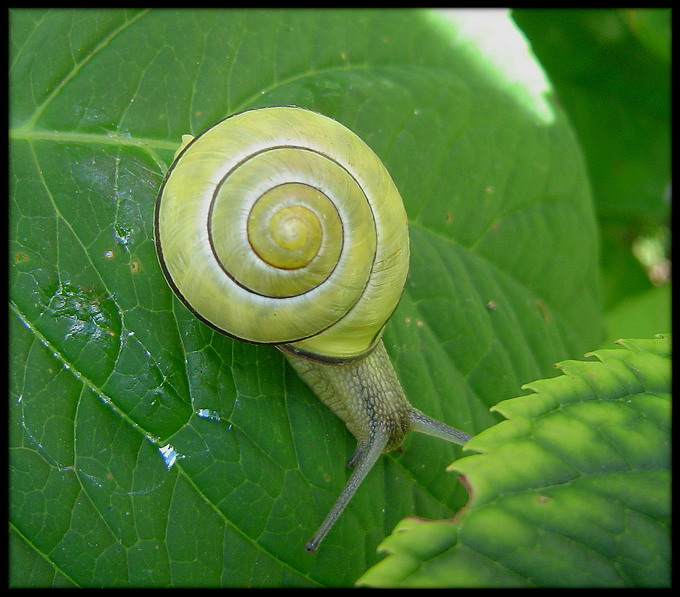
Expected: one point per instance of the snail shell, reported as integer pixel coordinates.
(280, 226)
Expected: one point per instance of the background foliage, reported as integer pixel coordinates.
(615, 86)
(147, 450)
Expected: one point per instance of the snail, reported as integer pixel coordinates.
(280, 226)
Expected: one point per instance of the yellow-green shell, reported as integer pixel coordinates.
(280, 226)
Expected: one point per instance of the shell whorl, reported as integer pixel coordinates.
(280, 226)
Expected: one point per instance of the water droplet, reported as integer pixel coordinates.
(169, 455)
(207, 413)
(122, 235)
(83, 313)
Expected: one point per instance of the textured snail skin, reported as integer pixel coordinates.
(280, 226)
(366, 394)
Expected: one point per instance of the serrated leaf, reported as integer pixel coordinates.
(148, 450)
(572, 490)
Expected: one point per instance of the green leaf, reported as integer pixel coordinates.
(147, 450)
(572, 490)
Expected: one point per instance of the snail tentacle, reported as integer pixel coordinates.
(367, 396)
(364, 463)
(421, 423)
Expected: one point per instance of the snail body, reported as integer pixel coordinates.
(280, 226)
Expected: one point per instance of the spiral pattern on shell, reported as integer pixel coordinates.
(280, 226)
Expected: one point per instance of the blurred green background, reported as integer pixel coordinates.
(611, 72)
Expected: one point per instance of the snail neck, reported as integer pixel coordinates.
(364, 392)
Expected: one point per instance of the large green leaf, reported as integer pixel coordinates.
(573, 490)
(149, 450)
